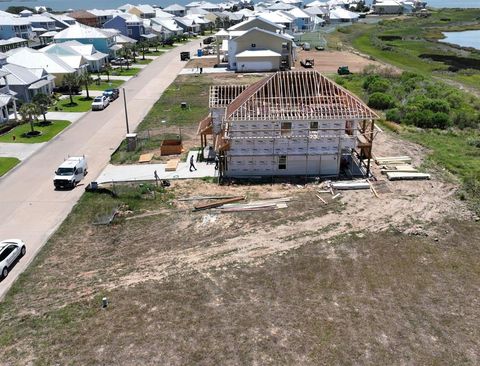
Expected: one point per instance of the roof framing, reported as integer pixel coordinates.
(297, 95)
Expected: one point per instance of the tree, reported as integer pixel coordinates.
(134, 48)
(107, 68)
(29, 112)
(85, 79)
(72, 83)
(143, 47)
(42, 101)
(381, 101)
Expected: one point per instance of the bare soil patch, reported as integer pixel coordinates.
(329, 61)
(361, 280)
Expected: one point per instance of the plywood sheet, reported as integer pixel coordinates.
(145, 158)
(172, 165)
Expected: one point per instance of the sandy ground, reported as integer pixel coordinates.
(325, 61)
(410, 207)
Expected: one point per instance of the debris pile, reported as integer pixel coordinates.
(399, 168)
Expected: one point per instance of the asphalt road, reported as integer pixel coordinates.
(30, 208)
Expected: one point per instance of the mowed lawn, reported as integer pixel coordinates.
(6, 164)
(104, 84)
(48, 132)
(80, 104)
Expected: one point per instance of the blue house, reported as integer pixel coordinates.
(128, 24)
(102, 40)
(15, 27)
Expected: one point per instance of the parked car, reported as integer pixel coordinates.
(99, 103)
(10, 251)
(208, 40)
(120, 61)
(112, 94)
(70, 172)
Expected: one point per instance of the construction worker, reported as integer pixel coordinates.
(192, 166)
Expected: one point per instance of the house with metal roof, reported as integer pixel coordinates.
(128, 24)
(102, 39)
(26, 83)
(260, 50)
(142, 11)
(33, 59)
(176, 10)
(296, 123)
(78, 55)
(11, 43)
(11, 26)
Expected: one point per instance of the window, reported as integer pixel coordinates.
(254, 45)
(282, 162)
(313, 126)
(129, 31)
(286, 128)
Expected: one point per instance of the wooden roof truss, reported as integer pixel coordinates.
(297, 95)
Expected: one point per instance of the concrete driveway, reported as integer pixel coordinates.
(29, 206)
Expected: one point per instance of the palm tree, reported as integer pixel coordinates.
(143, 47)
(29, 112)
(134, 48)
(127, 54)
(42, 101)
(72, 83)
(107, 68)
(85, 78)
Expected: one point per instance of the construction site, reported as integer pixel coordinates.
(356, 263)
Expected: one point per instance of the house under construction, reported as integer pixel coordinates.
(296, 123)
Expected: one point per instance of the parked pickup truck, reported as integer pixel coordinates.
(70, 172)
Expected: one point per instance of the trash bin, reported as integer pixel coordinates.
(199, 53)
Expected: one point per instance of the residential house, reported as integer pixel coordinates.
(280, 18)
(260, 50)
(41, 24)
(78, 55)
(102, 40)
(62, 21)
(84, 17)
(257, 22)
(128, 24)
(188, 25)
(340, 15)
(165, 27)
(24, 83)
(142, 11)
(387, 7)
(296, 123)
(11, 26)
(176, 10)
(103, 16)
(6, 95)
(33, 59)
(302, 21)
(10, 44)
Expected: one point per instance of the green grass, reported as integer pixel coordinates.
(125, 72)
(103, 85)
(418, 36)
(80, 104)
(48, 132)
(6, 164)
(139, 60)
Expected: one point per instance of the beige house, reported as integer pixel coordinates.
(260, 50)
(296, 123)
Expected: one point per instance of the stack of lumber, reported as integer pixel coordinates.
(397, 168)
(393, 160)
(145, 158)
(206, 206)
(172, 165)
(350, 184)
(263, 205)
(407, 176)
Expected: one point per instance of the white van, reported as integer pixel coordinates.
(70, 172)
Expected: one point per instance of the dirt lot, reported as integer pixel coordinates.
(325, 61)
(361, 280)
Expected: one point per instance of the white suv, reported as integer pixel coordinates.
(10, 251)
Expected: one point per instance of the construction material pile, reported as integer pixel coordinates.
(399, 168)
(231, 204)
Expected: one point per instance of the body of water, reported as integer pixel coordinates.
(113, 4)
(465, 39)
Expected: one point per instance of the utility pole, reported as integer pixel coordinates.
(126, 113)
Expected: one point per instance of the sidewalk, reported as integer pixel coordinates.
(115, 77)
(18, 150)
(145, 172)
(206, 70)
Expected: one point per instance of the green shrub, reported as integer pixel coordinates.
(379, 85)
(381, 101)
(393, 115)
(466, 119)
(437, 105)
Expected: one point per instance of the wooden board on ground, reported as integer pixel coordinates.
(172, 165)
(145, 158)
(218, 203)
